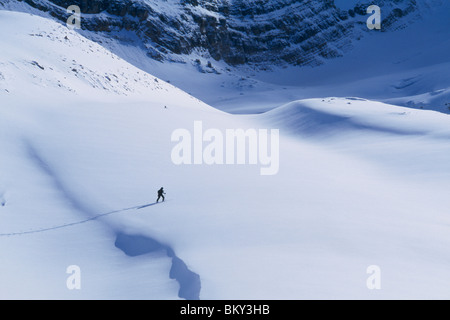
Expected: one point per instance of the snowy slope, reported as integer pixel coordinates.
(47, 70)
(360, 183)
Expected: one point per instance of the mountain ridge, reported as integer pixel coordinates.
(288, 32)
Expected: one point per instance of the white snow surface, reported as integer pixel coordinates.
(87, 141)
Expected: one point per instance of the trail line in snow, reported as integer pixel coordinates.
(74, 223)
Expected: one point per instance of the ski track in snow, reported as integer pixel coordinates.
(59, 185)
(66, 225)
(131, 245)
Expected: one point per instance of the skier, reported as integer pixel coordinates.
(161, 194)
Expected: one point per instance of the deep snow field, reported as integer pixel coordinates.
(86, 140)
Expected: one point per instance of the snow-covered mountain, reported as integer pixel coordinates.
(262, 54)
(88, 139)
(260, 33)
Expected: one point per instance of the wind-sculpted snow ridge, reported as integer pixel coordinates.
(136, 245)
(333, 116)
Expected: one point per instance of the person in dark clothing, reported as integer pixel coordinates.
(161, 194)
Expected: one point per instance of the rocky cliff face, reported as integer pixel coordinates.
(256, 32)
